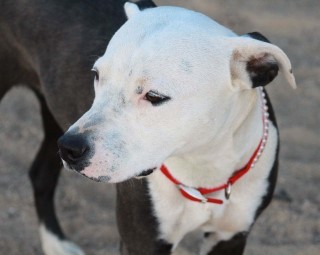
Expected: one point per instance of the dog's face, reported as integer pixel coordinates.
(165, 86)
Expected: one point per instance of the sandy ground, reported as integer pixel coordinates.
(290, 226)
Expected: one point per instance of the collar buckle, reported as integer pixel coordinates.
(227, 190)
(194, 193)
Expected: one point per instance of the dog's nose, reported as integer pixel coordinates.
(73, 148)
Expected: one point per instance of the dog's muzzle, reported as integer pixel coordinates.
(74, 150)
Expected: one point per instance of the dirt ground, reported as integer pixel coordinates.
(290, 226)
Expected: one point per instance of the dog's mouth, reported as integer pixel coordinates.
(143, 174)
(147, 172)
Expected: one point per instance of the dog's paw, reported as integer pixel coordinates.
(52, 245)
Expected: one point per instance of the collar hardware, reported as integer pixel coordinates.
(227, 191)
(192, 192)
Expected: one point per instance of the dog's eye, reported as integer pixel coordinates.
(96, 74)
(156, 98)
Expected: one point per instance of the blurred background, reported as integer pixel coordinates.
(290, 226)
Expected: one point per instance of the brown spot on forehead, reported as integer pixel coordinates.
(142, 81)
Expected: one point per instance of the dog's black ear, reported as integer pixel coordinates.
(255, 62)
(133, 8)
(258, 36)
(145, 4)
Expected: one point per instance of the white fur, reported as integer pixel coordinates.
(52, 245)
(209, 128)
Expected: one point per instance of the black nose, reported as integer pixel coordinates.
(73, 148)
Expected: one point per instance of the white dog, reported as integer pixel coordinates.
(176, 91)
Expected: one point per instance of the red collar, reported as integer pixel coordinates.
(198, 194)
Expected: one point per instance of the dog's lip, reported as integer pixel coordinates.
(104, 179)
(147, 172)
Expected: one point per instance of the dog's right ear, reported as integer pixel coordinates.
(255, 62)
(131, 9)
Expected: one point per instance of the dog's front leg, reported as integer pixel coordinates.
(44, 175)
(137, 224)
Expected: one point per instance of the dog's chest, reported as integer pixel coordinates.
(178, 216)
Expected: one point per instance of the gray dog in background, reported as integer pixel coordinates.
(50, 47)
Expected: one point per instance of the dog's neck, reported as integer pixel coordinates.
(214, 163)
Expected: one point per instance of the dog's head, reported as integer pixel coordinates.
(165, 86)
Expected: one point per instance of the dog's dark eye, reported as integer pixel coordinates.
(96, 74)
(156, 98)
